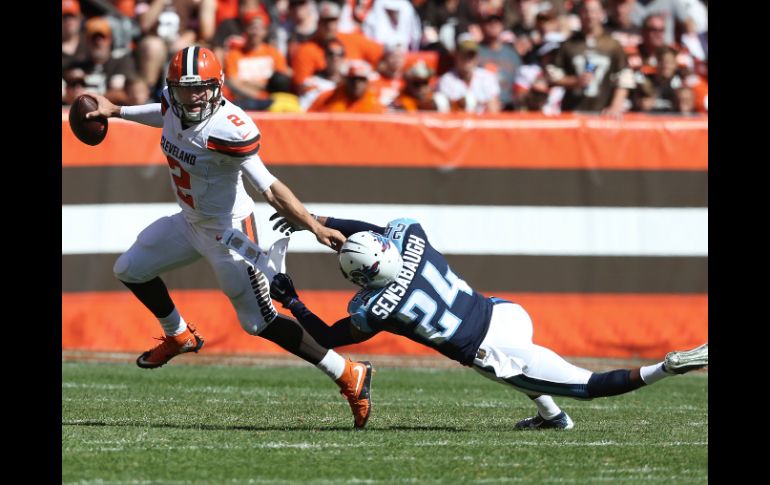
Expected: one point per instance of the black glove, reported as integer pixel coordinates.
(282, 290)
(283, 225)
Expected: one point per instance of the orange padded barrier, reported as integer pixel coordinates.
(433, 140)
(622, 326)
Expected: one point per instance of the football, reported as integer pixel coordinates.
(90, 132)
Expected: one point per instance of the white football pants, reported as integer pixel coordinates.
(508, 355)
(172, 242)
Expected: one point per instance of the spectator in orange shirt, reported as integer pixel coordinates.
(226, 10)
(353, 95)
(249, 68)
(309, 57)
(125, 7)
(418, 95)
(231, 31)
(389, 80)
(326, 79)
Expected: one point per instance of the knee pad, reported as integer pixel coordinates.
(122, 270)
(254, 324)
(250, 326)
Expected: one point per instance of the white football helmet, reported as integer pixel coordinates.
(370, 260)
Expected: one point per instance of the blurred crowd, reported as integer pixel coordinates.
(377, 56)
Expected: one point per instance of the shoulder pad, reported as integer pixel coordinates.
(234, 133)
(358, 307)
(406, 221)
(396, 229)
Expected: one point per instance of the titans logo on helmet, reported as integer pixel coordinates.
(384, 241)
(363, 275)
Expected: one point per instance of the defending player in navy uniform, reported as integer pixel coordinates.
(408, 288)
(211, 145)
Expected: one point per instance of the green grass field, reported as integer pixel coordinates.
(212, 424)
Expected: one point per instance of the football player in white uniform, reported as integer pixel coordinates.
(211, 145)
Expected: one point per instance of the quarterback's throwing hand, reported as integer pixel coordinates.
(104, 108)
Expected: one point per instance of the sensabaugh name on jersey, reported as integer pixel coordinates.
(174, 151)
(412, 255)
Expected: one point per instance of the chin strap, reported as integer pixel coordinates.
(212, 106)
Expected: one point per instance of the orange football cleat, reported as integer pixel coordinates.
(355, 385)
(188, 341)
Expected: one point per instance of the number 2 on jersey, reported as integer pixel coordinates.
(181, 180)
(236, 121)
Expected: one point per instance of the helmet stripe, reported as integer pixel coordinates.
(189, 60)
(184, 61)
(195, 60)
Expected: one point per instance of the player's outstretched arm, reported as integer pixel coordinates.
(349, 227)
(146, 114)
(285, 226)
(343, 332)
(286, 203)
(346, 226)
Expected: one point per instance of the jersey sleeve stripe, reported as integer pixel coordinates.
(243, 151)
(235, 148)
(234, 143)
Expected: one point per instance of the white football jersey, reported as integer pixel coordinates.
(205, 161)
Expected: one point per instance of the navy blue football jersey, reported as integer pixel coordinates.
(427, 302)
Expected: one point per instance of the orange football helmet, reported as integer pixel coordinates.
(195, 80)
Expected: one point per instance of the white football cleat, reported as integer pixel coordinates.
(683, 361)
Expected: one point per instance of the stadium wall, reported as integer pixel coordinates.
(599, 228)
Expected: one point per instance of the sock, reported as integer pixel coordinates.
(173, 324)
(332, 365)
(546, 407)
(653, 373)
